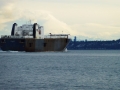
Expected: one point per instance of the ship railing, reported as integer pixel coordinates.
(57, 36)
(9, 36)
(45, 36)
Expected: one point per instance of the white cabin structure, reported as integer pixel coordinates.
(26, 30)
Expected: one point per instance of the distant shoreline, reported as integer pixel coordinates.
(94, 45)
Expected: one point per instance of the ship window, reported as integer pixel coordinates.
(22, 41)
(3, 41)
(45, 44)
(30, 44)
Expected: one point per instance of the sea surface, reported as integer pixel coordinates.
(71, 70)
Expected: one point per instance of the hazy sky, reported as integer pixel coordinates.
(86, 19)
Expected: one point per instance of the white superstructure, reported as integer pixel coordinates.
(31, 31)
(26, 30)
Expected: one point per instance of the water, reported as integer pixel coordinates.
(72, 70)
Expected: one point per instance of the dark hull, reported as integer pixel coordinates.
(34, 45)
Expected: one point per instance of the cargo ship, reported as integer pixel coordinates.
(31, 38)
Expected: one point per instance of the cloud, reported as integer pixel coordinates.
(6, 12)
(51, 24)
(10, 11)
(97, 31)
(84, 18)
(5, 2)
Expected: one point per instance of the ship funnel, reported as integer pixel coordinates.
(34, 30)
(13, 29)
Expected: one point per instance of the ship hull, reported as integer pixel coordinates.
(34, 45)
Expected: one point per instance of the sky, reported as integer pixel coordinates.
(86, 19)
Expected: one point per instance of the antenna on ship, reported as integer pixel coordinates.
(30, 21)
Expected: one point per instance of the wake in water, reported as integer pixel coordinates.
(10, 51)
(13, 51)
(65, 50)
